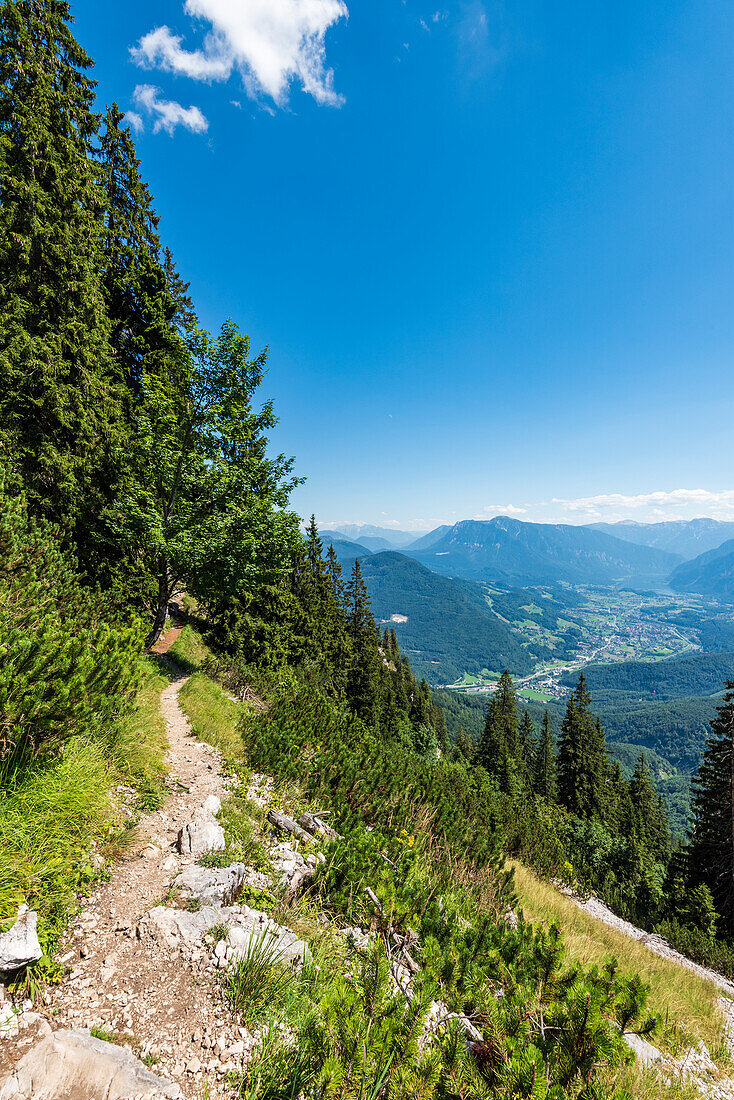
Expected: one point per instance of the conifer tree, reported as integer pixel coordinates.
(65, 669)
(582, 764)
(526, 746)
(650, 819)
(184, 315)
(545, 782)
(139, 301)
(497, 751)
(711, 853)
(364, 675)
(59, 413)
(464, 745)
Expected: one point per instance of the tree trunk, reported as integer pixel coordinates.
(164, 595)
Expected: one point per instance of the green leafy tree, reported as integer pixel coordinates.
(203, 505)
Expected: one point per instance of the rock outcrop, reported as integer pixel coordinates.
(76, 1066)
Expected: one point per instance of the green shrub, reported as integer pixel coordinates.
(64, 669)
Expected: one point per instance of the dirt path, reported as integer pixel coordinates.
(165, 1003)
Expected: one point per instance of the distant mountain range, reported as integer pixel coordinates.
(374, 538)
(711, 574)
(346, 549)
(508, 551)
(687, 537)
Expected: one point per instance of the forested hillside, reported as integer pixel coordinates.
(711, 573)
(699, 674)
(450, 630)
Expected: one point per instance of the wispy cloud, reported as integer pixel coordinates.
(502, 510)
(165, 113)
(271, 43)
(658, 505)
(132, 118)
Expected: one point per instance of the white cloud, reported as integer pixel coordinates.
(132, 118)
(503, 510)
(659, 505)
(168, 114)
(270, 42)
(159, 49)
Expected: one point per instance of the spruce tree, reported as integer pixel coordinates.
(582, 763)
(59, 414)
(650, 820)
(184, 315)
(545, 781)
(136, 288)
(364, 674)
(711, 853)
(497, 751)
(526, 747)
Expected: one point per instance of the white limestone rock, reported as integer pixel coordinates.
(76, 1066)
(215, 886)
(199, 837)
(19, 946)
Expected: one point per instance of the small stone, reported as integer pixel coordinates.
(193, 1066)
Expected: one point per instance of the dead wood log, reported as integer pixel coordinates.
(288, 825)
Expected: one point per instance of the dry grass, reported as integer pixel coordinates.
(685, 1003)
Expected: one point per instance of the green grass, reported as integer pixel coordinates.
(213, 715)
(189, 650)
(257, 981)
(55, 813)
(686, 1004)
(138, 745)
(103, 1034)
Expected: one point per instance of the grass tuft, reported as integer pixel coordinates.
(256, 983)
(213, 716)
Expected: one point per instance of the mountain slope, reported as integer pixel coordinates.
(508, 551)
(450, 629)
(430, 539)
(687, 537)
(700, 674)
(712, 574)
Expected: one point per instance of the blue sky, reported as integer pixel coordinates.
(489, 244)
